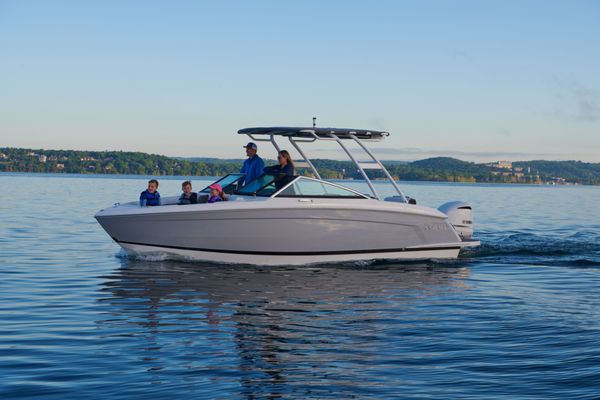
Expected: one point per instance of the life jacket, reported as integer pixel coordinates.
(152, 199)
(193, 199)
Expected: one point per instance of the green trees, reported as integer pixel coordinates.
(432, 169)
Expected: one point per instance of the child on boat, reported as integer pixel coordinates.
(216, 193)
(187, 197)
(150, 196)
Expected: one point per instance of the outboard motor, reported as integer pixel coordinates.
(460, 216)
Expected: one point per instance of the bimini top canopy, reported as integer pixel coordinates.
(298, 135)
(290, 131)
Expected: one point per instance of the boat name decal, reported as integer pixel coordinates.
(436, 227)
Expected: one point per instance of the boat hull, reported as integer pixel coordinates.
(285, 231)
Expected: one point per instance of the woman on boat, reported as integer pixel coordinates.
(285, 166)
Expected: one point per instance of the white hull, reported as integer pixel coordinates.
(285, 231)
(280, 260)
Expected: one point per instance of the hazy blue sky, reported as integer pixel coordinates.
(479, 80)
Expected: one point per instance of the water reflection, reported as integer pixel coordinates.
(273, 331)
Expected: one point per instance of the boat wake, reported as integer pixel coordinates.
(158, 257)
(152, 257)
(581, 248)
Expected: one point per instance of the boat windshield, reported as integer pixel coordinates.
(307, 187)
(265, 185)
(229, 183)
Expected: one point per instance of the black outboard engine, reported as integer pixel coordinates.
(460, 216)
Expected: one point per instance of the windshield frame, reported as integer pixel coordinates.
(357, 194)
(256, 190)
(255, 187)
(227, 187)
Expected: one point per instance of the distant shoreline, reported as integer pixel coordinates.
(210, 178)
(437, 169)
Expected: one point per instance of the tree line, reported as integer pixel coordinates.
(106, 162)
(432, 169)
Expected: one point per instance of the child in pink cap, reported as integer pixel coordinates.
(216, 193)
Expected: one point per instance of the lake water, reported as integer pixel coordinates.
(518, 317)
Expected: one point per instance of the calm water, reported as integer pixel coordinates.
(517, 318)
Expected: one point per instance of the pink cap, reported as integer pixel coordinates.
(216, 186)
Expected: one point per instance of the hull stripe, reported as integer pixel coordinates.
(296, 253)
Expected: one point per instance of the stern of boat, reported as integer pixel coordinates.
(460, 216)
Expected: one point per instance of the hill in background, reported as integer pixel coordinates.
(432, 169)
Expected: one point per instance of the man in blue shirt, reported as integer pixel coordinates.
(253, 166)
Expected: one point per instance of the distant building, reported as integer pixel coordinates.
(3, 156)
(86, 158)
(518, 169)
(43, 158)
(60, 166)
(504, 164)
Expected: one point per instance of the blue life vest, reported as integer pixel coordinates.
(152, 199)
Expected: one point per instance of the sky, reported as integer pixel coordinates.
(476, 80)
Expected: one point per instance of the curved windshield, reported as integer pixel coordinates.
(265, 185)
(307, 187)
(229, 183)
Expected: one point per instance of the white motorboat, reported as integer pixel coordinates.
(277, 220)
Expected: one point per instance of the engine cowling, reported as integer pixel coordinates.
(460, 216)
